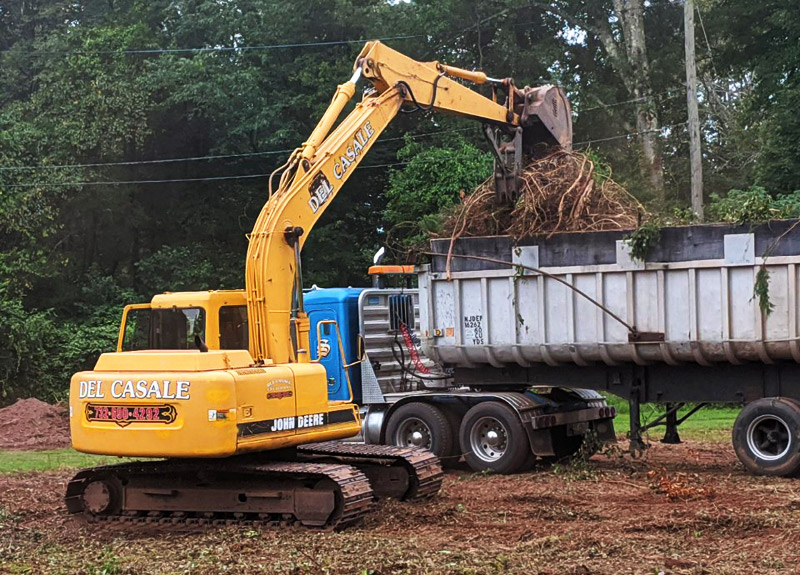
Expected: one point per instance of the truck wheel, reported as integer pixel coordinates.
(766, 436)
(421, 425)
(492, 438)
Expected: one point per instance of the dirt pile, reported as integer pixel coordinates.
(34, 424)
(561, 192)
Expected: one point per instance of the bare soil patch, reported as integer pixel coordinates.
(616, 515)
(32, 424)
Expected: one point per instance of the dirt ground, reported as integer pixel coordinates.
(33, 424)
(681, 509)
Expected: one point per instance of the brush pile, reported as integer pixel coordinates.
(561, 192)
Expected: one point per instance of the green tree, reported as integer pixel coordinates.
(433, 178)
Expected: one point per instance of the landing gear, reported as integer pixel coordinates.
(766, 436)
(671, 435)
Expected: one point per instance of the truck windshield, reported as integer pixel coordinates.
(173, 328)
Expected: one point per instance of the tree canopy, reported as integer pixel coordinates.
(136, 137)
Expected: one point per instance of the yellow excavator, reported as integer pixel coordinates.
(248, 435)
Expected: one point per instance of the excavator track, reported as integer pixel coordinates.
(222, 492)
(405, 473)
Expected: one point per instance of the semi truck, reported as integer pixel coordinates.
(500, 356)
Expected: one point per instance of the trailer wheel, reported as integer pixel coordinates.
(492, 438)
(766, 436)
(420, 424)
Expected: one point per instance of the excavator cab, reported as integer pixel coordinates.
(545, 120)
(216, 319)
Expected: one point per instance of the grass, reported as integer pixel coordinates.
(711, 423)
(50, 460)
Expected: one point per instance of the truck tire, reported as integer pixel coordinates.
(492, 439)
(766, 436)
(419, 424)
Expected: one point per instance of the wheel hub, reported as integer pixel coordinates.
(769, 437)
(488, 439)
(413, 432)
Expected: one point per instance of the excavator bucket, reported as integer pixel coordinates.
(545, 121)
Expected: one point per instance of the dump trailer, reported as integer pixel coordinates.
(685, 326)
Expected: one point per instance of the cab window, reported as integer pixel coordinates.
(233, 327)
(176, 328)
(137, 330)
(173, 328)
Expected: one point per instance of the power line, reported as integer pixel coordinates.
(253, 176)
(219, 48)
(176, 180)
(708, 44)
(631, 101)
(127, 182)
(142, 162)
(273, 152)
(172, 181)
(286, 151)
(199, 158)
(629, 134)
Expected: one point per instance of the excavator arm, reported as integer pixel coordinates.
(316, 171)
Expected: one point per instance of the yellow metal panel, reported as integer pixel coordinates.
(173, 360)
(111, 413)
(309, 419)
(210, 413)
(206, 299)
(385, 67)
(311, 381)
(270, 268)
(266, 399)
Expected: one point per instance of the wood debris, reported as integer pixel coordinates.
(561, 192)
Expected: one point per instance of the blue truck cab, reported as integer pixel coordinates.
(341, 306)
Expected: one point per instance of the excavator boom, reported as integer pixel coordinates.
(316, 172)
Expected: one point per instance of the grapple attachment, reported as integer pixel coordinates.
(545, 120)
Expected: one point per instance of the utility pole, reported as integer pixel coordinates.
(695, 154)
